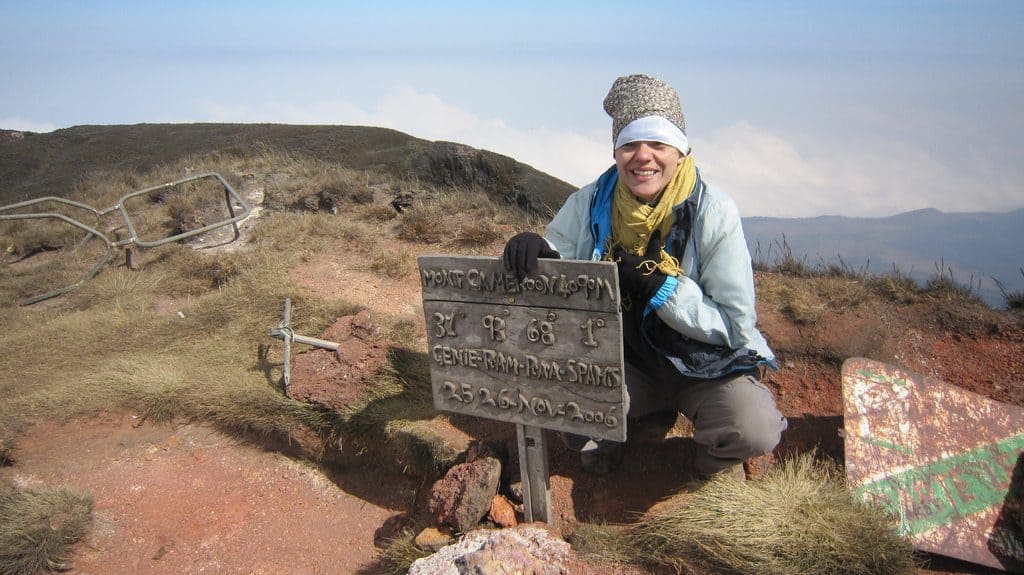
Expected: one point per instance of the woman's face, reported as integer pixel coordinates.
(647, 167)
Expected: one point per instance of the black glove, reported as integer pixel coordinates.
(639, 277)
(636, 279)
(522, 251)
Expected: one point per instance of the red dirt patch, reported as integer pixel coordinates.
(187, 499)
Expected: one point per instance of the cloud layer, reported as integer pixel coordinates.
(569, 155)
(768, 173)
(23, 125)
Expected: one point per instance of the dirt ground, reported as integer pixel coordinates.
(183, 498)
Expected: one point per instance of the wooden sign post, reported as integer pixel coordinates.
(544, 352)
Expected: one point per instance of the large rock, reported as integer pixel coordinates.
(525, 550)
(464, 495)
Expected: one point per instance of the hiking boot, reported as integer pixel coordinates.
(735, 472)
(602, 458)
(708, 467)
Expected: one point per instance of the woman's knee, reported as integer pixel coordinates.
(757, 419)
(740, 417)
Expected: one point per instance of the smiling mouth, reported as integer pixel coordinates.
(644, 173)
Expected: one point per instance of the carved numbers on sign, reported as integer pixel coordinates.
(588, 330)
(542, 330)
(444, 324)
(515, 400)
(496, 325)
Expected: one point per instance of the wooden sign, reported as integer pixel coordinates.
(545, 351)
(946, 463)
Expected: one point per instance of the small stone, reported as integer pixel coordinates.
(433, 539)
(502, 512)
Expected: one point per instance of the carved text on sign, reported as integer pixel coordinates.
(574, 370)
(499, 282)
(515, 400)
(545, 350)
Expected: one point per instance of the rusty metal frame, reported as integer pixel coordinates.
(230, 195)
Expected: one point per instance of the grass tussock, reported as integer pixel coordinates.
(303, 183)
(944, 285)
(399, 411)
(799, 519)
(49, 269)
(399, 554)
(39, 527)
(1012, 299)
(895, 286)
(807, 300)
(393, 265)
(297, 233)
(425, 223)
(478, 233)
(604, 542)
(378, 213)
(461, 220)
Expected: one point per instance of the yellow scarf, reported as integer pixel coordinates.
(633, 221)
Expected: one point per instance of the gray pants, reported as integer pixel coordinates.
(734, 418)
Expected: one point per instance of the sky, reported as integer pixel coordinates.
(795, 109)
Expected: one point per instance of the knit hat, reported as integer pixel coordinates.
(639, 96)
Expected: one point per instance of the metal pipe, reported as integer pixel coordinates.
(284, 332)
(108, 253)
(288, 335)
(229, 194)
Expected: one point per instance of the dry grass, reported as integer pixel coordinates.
(378, 213)
(1012, 299)
(307, 184)
(399, 553)
(206, 364)
(392, 264)
(292, 234)
(799, 519)
(478, 233)
(807, 300)
(604, 542)
(895, 286)
(944, 285)
(45, 271)
(39, 527)
(6, 446)
(425, 223)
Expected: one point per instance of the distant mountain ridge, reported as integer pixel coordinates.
(978, 245)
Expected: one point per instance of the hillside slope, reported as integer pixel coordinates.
(134, 329)
(34, 165)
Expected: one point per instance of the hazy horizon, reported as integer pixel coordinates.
(796, 109)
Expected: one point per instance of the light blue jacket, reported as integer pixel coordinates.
(712, 302)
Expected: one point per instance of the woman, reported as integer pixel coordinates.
(687, 286)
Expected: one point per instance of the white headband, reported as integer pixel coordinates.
(653, 129)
